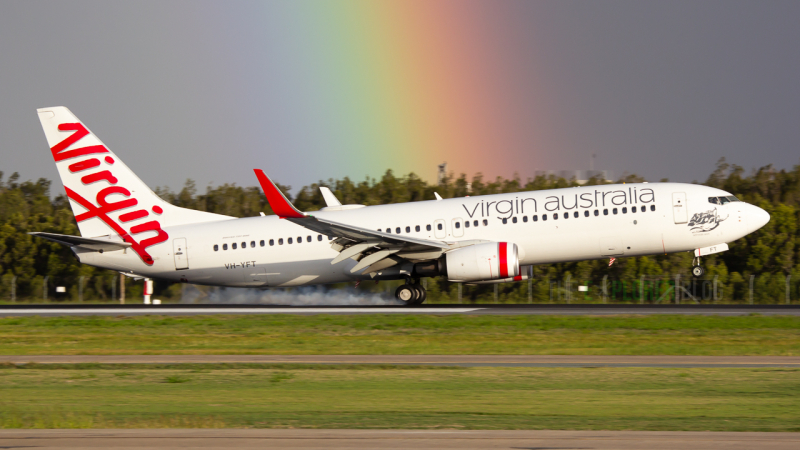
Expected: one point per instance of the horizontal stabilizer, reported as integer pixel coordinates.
(94, 244)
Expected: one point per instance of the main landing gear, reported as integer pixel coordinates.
(411, 293)
(697, 269)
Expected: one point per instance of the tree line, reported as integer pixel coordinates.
(32, 267)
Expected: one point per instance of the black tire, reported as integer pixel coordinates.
(406, 294)
(698, 271)
(422, 294)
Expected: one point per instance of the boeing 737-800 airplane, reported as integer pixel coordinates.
(126, 227)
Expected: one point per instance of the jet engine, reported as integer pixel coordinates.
(481, 262)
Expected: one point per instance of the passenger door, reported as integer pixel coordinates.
(458, 230)
(679, 211)
(181, 253)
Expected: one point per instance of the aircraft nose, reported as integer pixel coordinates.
(757, 217)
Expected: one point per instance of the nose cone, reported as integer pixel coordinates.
(757, 217)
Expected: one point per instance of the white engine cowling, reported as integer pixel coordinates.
(482, 262)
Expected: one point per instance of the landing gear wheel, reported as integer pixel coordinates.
(422, 294)
(698, 271)
(406, 294)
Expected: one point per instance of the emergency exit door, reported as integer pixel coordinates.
(181, 254)
(679, 211)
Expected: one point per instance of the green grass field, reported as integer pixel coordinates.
(318, 396)
(402, 334)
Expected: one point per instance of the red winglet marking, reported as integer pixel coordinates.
(276, 199)
(503, 251)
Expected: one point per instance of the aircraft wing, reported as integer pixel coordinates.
(353, 241)
(95, 244)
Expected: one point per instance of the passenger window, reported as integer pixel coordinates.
(466, 224)
(544, 216)
(319, 237)
(505, 221)
(379, 230)
(244, 245)
(271, 242)
(330, 238)
(474, 223)
(575, 214)
(216, 247)
(605, 212)
(633, 209)
(299, 239)
(486, 222)
(525, 219)
(652, 207)
(596, 212)
(417, 229)
(458, 225)
(624, 210)
(428, 227)
(439, 226)
(224, 246)
(555, 216)
(614, 210)
(408, 229)
(280, 241)
(566, 215)
(289, 241)
(262, 243)
(535, 218)
(252, 244)
(514, 219)
(233, 246)
(389, 230)
(586, 213)
(308, 238)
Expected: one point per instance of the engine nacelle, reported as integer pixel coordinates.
(482, 262)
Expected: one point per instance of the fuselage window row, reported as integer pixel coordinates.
(575, 214)
(263, 243)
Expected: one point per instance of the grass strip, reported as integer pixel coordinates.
(402, 335)
(351, 396)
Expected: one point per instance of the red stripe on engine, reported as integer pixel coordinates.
(502, 249)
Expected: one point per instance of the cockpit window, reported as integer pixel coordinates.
(723, 200)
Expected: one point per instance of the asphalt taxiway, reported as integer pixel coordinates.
(278, 439)
(475, 309)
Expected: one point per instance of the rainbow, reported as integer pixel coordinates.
(408, 85)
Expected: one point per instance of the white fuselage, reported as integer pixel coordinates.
(669, 217)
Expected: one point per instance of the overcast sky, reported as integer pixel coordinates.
(312, 90)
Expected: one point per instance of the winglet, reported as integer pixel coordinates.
(277, 201)
(438, 197)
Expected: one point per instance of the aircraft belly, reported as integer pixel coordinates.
(300, 273)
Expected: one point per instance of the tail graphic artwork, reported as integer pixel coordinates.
(105, 195)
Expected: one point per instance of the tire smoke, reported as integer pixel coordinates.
(302, 296)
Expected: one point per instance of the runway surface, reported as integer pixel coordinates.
(393, 439)
(432, 360)
(599, 309)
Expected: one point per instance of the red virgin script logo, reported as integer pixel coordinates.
(103, 206)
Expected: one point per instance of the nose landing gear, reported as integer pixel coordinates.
(697, 269)
(411, 293)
